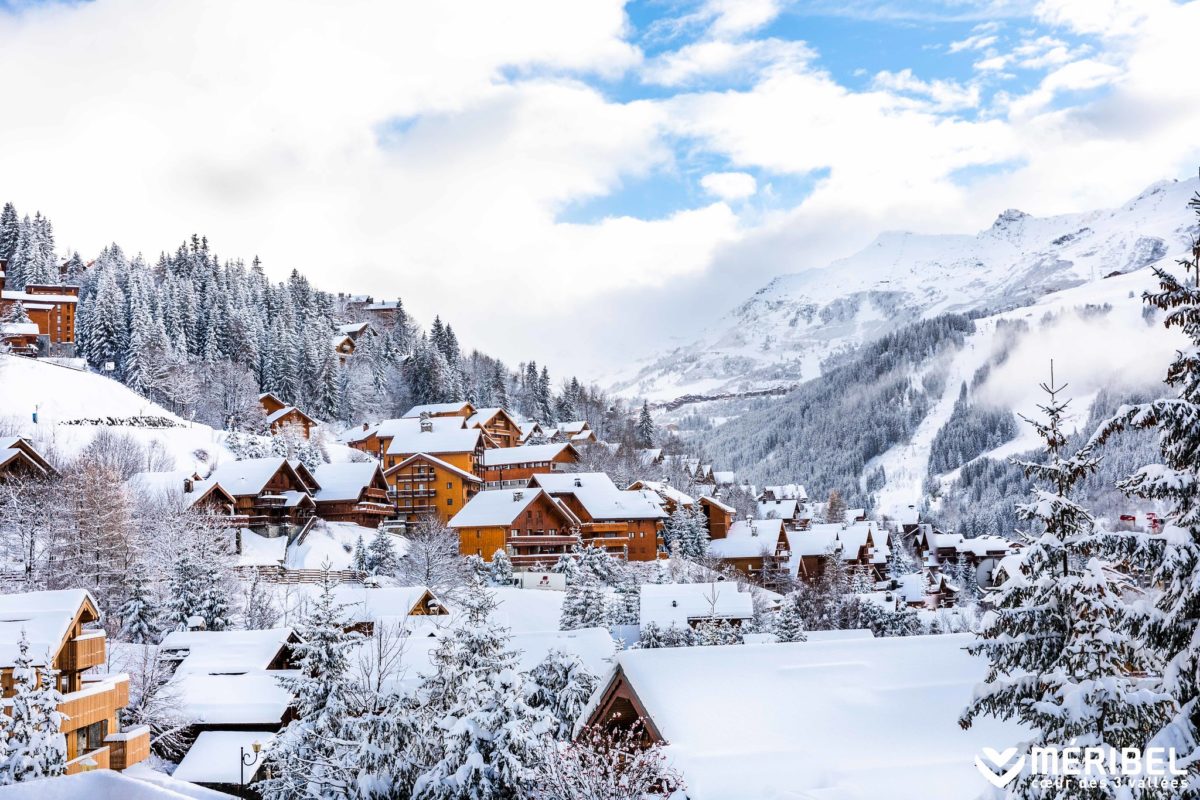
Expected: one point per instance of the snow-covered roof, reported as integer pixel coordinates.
(345, 480)
(215, 757)
(371, 604)
(665, 491)
(19, 328)
(816, 541)
(434, 409)
(448, 436)
(748, 539)
(573, 427)
(675, 603)
(248, 476)
(249, 698)
(462, 473)
(45, 617)
(354, 327)
(482, 416)
(842, 720)
(14, 447)
(600, 497)
(525, 454)
(27, 298)
(274, 417)
(783, 509)
(105, 784)
(724, 477)
(714, 501)
(786, 491)
(224, 652)
(171, 485)
(494, 507)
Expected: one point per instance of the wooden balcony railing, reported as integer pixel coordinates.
(128, 747)
(84, 651)
(95, 701)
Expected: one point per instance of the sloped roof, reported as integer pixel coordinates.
(841, 719)
(225, 652)
(437, 408)
(444, 437)
(748, 539)
(249, 698)
(44, 617)
(675, 603)
(600, 497)
(171, 485)
(214, 757)
(250, 475)
(345, 481)
(462, 473)
(507, 456)
(494, 507)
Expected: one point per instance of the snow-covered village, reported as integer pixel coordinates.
(606, 400)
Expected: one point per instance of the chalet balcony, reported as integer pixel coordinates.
(543, 540)
(96, 701)
(128, 747)
(416, 493)
(84, 651)
(96, 759)
(270, 501)
(375, 495)
(605, 528)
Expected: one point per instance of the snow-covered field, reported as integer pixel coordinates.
(58, 394)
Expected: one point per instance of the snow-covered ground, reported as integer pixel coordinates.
(59, 394)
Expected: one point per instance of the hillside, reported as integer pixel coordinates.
(786, 330)
(62, 395)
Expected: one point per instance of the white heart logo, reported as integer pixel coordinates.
(999, 760)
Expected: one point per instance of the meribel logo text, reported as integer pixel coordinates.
(1083, 767)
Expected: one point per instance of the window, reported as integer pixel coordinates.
(91, 737)
(449, 501)
(449, 484)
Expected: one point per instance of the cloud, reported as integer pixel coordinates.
(697, 61)
(944, 95)
(729, 185)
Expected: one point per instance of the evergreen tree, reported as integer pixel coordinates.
(561, 686)
(484, 734)
(584, 607)
(789, 622)
(381, 555)
(501, 568)
(10, 231)
(716, 631)
(137, 612)
(835, 507)
(1060, 658)
(309, 758)
(185, 592)
(35, 746)
(359, 559)
(644, 433)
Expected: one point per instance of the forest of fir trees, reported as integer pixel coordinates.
(205, 336)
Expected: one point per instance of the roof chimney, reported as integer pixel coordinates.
(188, 486)
(578, 482)
(517, 496)
(426, 423)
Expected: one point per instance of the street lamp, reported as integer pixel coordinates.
(255, 748)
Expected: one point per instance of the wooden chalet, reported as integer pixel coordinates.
(19, 338)
(982, 553)
(684, 605)
(530, 525)
(500, 427)
(445, 437)
(185, 489)
(423, 485)
(720, 516)
(578, 432)
(855, 545)
(626, 524)
(280, 415)
(267, 491)
(343, 346)
(226, 692)
(514, 466)
(458, 409)
(352, 491)
(65, 624)
(368, 606)
(752, 546)
(51, 308)
(20, 459)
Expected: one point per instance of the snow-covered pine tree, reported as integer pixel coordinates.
(214, 601)
(1173, 558)
(359, 559)
(501, 569)
(311, 758)
(1060, 659)
(10, 231)
(137, 612)
(627, 610)
(695, 535)
(789, 621)
(35, 748)
(185, 591)
(483, 734)
(716, 631)
(561, 686)
(381, 555)
(568, 566)
(644, 432)
(584, 607)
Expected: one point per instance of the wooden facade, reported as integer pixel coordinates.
(280, 415)
(51, 308)
(519, 473)
(619, 709)
(501, 428)
(719, 516)
(424, 485)
(369, 506)
(91, 706)
(19, 459)
(538, 533)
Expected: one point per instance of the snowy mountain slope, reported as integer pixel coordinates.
(60, 394)
(782, 334)
(1098, 337)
